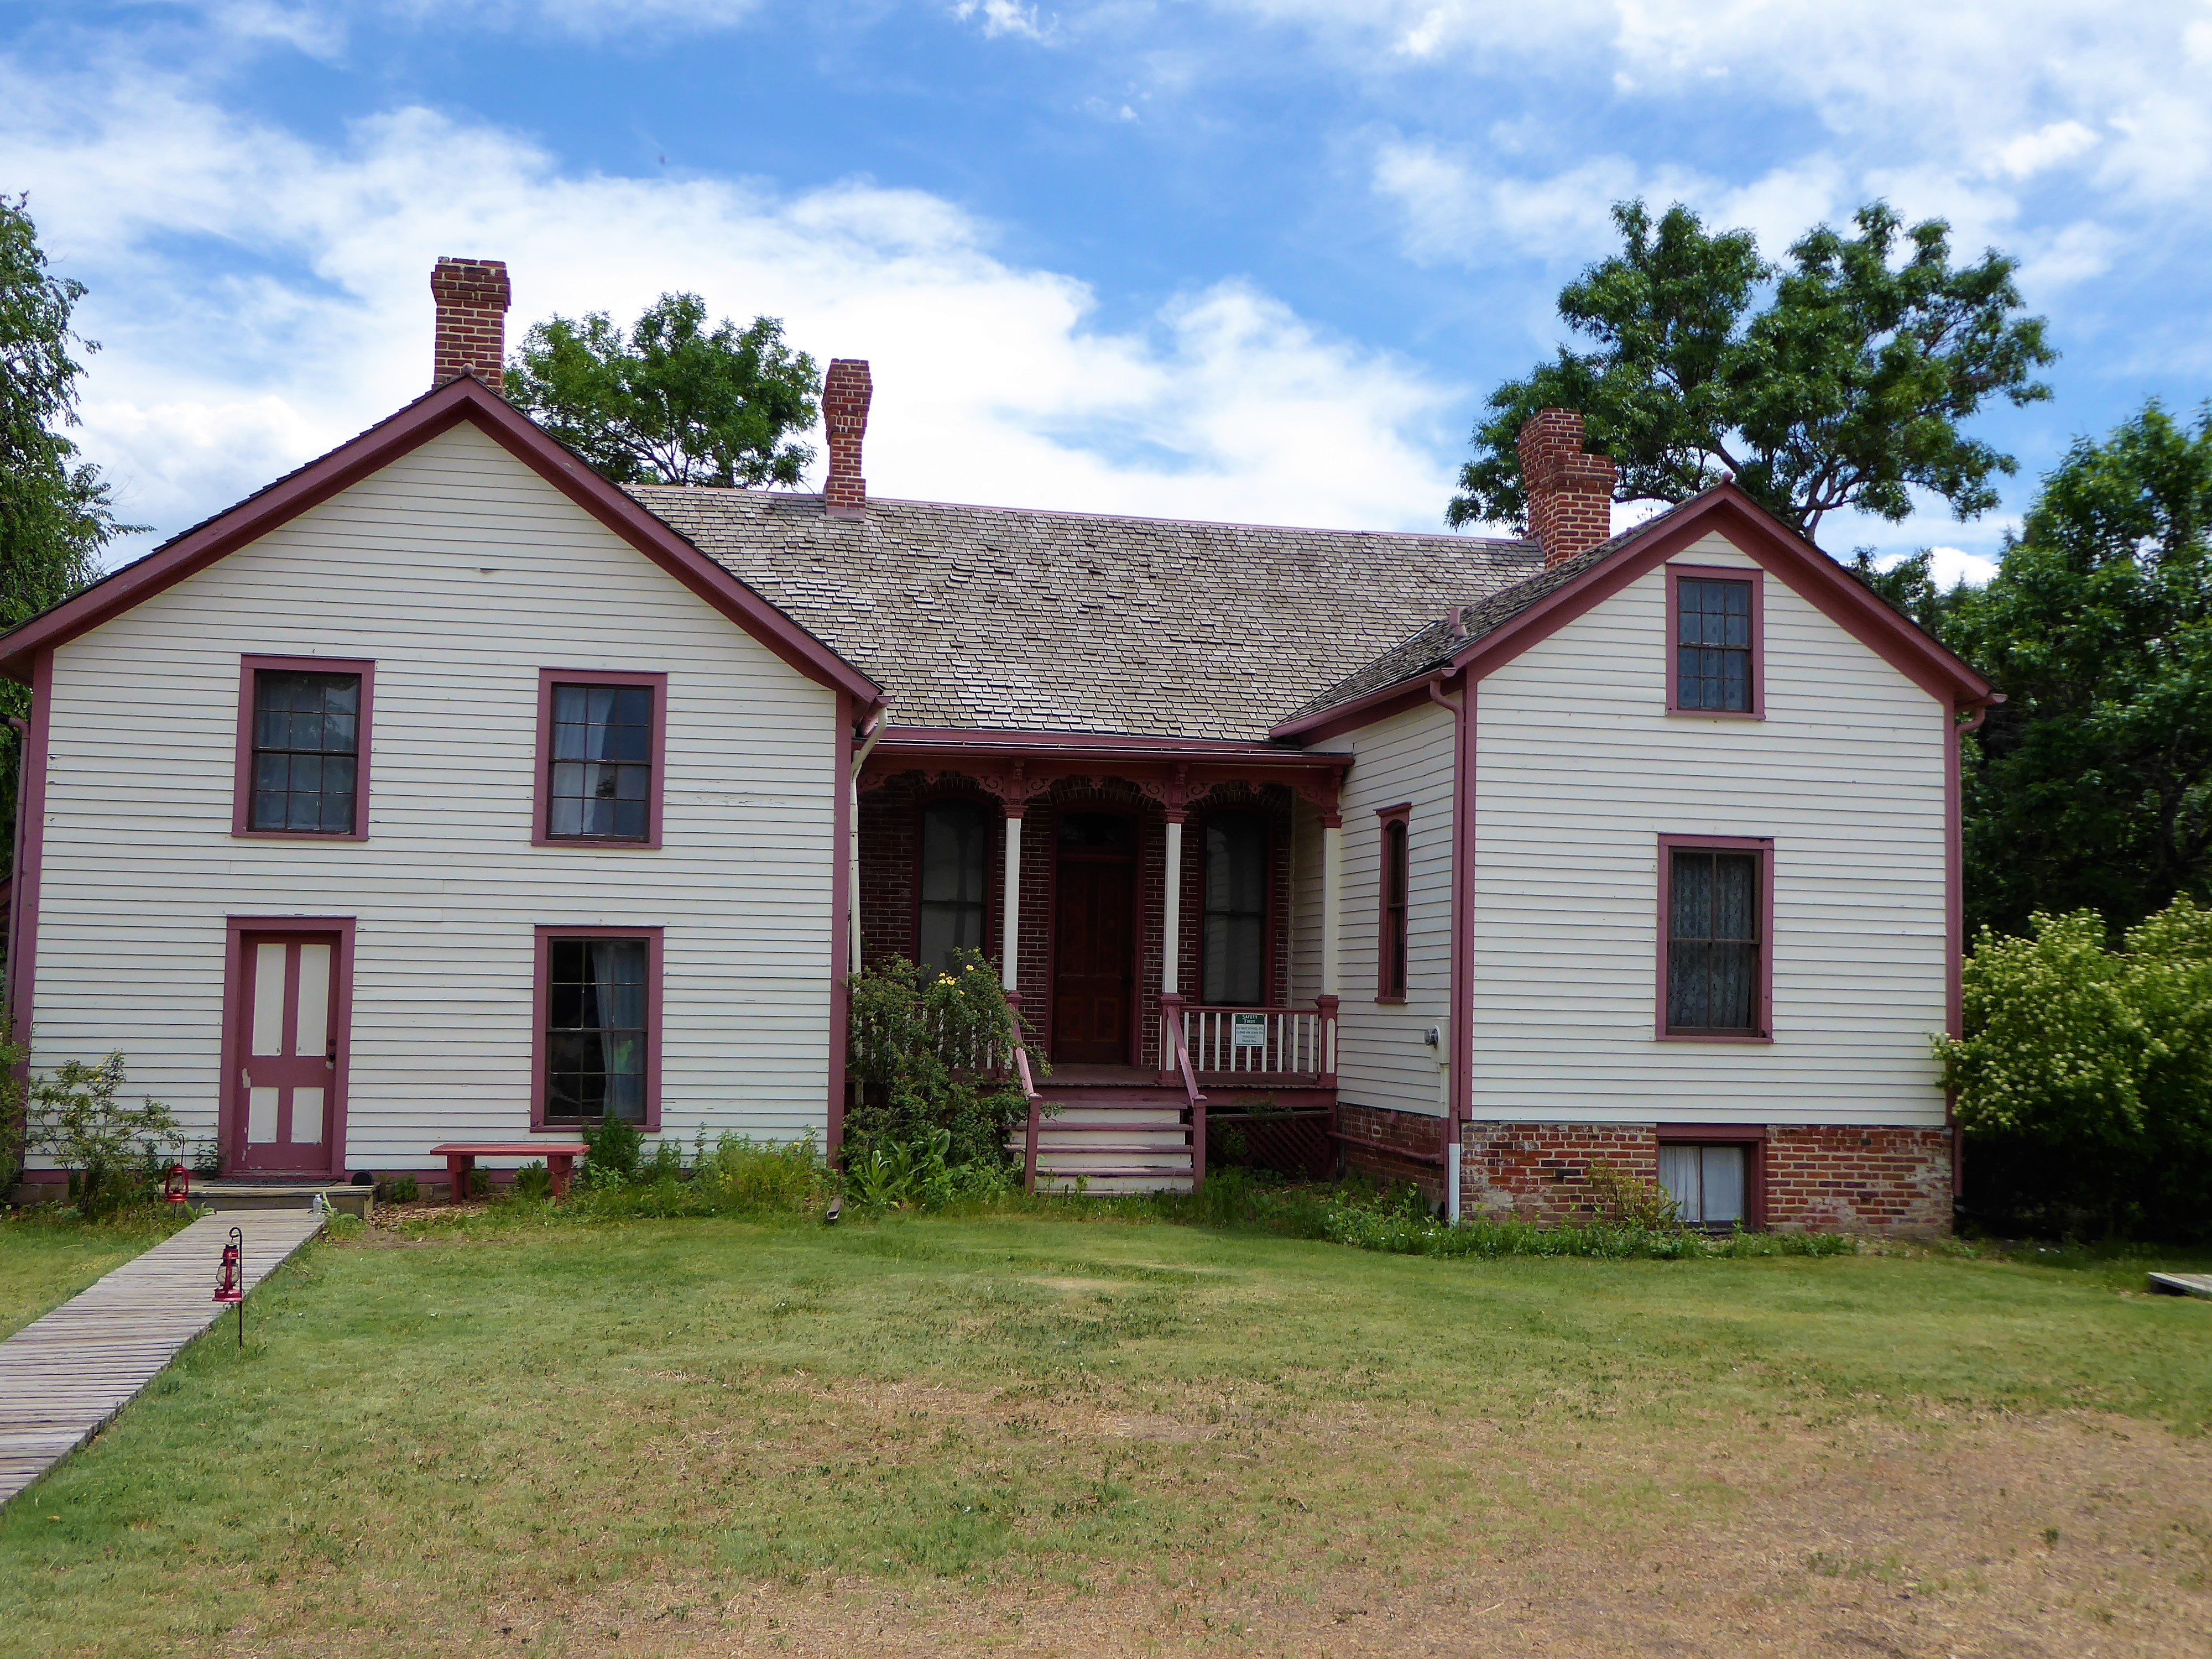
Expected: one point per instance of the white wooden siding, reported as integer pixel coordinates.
(1579, 769)
(1381, 1059)
(462, 573)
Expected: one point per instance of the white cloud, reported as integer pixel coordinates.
(2047, 147)
(1952, 565)
(993, 384)
(1004, 17)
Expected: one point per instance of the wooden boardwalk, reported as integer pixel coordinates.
(63, 1378)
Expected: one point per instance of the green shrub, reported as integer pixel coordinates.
(13, 1127)
(2084, 1078)
(533, 1181)
(116, 1155)
(741, 1175)
(611, 1154)
(400, 1189)
(1621, 1200)
(930, 1061)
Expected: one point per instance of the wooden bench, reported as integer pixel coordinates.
(461, 1158)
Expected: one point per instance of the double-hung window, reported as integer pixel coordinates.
(1396, 906)
(1712, 1184)
(1233, 930)
(303, 765)
(1716, 650)
(1716, 909)
(955, 851)
(599, 1026)
(600, 745)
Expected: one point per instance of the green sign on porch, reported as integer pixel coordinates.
(1248, 1030)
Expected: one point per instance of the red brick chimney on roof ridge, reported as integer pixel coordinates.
(1569, 494)
(846, 391)
(472, 297)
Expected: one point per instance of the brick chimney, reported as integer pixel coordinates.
(473, 296)
(845, 394)
(1569, 494)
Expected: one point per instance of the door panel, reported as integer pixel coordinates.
(289, 1070)
(1094, 962)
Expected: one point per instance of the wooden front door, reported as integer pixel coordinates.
(1094, 959)
(288, 1081)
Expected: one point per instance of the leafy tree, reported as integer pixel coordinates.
(55, 512)
(2092, 784)
(2084, 1079)
(1846, 390)
(672, 402)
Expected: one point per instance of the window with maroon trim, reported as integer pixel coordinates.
(1233, 911)
(601, 742)
(953, 880)
(598, 1041)
(1711, 1182)
(1716, 907)
(1715, 646)
(303, 732)
(1397, 871)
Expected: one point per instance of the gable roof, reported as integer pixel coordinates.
(1493, 631)
(986, 618)
(436, 411)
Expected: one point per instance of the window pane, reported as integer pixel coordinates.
(1234, 909)
(1713, 637)
(1723, 1169)
(595, 1037)
(1713, 941)
(305, 735)
(595, 726)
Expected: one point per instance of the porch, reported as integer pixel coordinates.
(1164, 915)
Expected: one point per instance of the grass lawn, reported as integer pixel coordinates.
(43, 1263)
(1047, 1434)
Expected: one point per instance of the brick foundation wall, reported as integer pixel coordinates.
(1843, 1178)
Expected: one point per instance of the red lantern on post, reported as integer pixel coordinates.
(230, 1287)
(178, 1187)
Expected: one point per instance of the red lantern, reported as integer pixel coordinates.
(231, 1286)
(179, 1186)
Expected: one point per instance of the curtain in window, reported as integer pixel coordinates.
(1712, 942)
(1707, 1182)
(1234, 935)
(954, 863)
(595, 1028)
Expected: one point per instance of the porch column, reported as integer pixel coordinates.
(1171, 920)
(1332, 910)
(1010, 937)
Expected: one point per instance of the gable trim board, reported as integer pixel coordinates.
(465, 399)
(1757, 534)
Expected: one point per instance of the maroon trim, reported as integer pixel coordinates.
(30, 852)
(844, 866)
(230, 1106)
(1460, 1028)
(538, 1013)
(1750, 1136)
(541, 805)
(1954, 908)
(1764, 846)
(465, 399)
(1386, 816)
(1756, 580)
(1096, 745)
(242, 792)
(1755, 533)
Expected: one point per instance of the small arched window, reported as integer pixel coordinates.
(1233, 940)
(954, 843)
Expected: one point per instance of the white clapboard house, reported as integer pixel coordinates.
(444, 791)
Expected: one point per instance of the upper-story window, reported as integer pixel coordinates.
(303, 748)
(1396, 907)
(1716, 667)
(955, 845)
(1233, 932)
(1715, 974)
(599, 752)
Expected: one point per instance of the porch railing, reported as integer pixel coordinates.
(1270, 1045)
(1037, 1115)
(1172, 1044)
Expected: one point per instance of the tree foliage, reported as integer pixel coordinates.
(115, 1154)
(2091, 786)
(1846, 389)
(672, 401)
(56, 515)
(2084, 1078)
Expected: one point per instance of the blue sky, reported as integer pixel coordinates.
(1254, 259)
